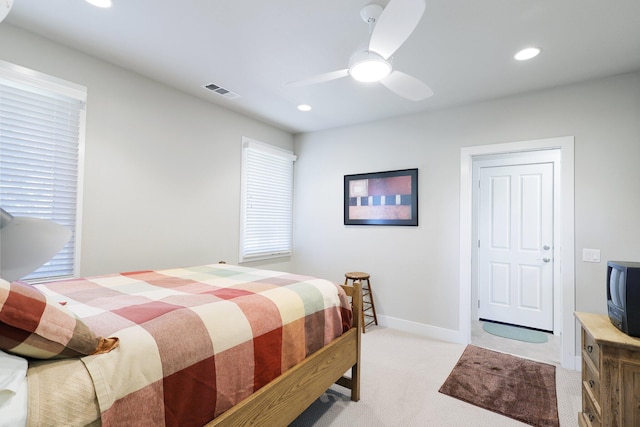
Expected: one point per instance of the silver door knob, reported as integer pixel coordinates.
(546, 259)
(546, 247)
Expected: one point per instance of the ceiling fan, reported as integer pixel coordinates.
(389, 28)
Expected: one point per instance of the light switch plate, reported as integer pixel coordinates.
(590, 255)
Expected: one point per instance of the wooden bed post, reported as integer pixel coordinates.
(353, 383)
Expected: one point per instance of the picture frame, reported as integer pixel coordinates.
(381, 198)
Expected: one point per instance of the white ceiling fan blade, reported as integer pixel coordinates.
(407, 86)
(395, 25)
(319, 78)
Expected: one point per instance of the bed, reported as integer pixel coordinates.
(214, 345)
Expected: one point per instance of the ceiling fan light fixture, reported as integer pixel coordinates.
(368, 67)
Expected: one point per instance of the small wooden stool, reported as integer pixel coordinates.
(368, 307)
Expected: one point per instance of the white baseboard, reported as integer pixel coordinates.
(428, 331)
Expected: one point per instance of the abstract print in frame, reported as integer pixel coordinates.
(381, 198)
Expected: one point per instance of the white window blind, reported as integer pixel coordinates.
(41, 130)
(266, 225)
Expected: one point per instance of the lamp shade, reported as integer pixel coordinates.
(5, 7)
(27, 243)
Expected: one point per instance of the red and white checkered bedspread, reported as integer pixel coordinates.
(195, 341)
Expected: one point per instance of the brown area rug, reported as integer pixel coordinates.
(517, 388)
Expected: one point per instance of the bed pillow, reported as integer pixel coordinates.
(13, 370)
(13, 390)
(34, 325)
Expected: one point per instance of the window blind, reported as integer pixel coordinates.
(266, 226)
(40, 133)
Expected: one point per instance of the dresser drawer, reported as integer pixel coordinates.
(590, 348)
(589, 414)
(591, 382)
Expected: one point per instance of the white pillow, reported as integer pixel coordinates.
(13, 390)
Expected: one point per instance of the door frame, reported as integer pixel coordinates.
(552, 156)
(564, 255)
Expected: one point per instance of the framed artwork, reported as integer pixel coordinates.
(381, 198)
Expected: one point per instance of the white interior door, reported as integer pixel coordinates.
(515, 230)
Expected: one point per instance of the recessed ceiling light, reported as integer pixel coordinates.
(528, 53)
(101, 3)
(304, 107)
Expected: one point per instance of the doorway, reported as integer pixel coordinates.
(563, 236)
(514, 227)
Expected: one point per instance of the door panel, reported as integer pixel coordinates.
(530, 291)
(515, 283)
(501, 212)
(531, 222)
(500, 284)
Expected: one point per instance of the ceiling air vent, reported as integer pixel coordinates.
(221, 91)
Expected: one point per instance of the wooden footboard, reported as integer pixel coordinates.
(282, 400)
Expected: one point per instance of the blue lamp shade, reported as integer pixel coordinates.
(27, 243)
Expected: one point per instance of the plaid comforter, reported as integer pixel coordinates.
(195, 341)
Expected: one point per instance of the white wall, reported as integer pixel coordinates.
(414, 270)
(162, 169)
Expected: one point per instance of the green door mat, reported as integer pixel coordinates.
(514, 332)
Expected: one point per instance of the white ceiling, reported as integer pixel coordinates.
(463, 49)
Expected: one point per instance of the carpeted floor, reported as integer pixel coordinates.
(401, 376)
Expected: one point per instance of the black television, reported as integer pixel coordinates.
(623, 296)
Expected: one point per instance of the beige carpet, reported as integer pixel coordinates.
(401, 375)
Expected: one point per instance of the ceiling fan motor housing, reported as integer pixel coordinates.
(370, 13)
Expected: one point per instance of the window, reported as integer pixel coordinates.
(266, 224)
(41, 135)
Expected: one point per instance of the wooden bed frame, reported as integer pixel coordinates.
(282, 400)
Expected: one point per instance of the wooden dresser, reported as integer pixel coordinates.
(610, 374)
